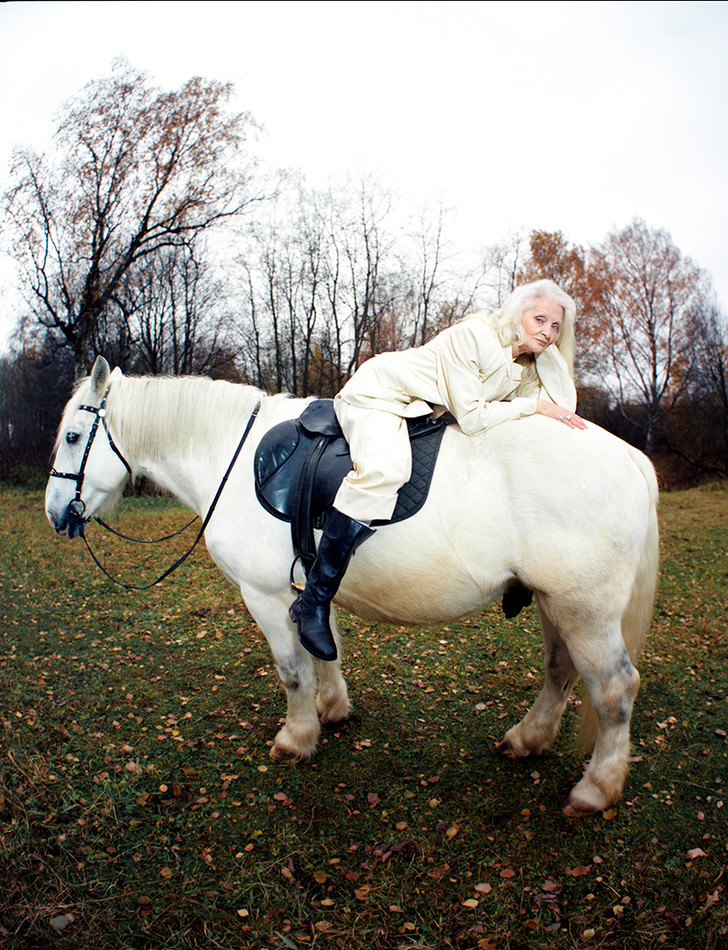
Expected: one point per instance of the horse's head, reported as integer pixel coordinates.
(89, 471)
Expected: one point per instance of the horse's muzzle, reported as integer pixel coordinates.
(70, 520)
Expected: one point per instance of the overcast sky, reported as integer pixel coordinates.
(562, 116)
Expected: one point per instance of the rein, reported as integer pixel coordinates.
(77, 507)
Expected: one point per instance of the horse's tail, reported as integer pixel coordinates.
(637, 616)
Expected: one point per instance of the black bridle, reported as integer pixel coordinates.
(77, 507)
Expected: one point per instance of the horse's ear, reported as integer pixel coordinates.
(115, 374)
(99, 377)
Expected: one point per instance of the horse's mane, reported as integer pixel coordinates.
(154, 414)
(164, 413)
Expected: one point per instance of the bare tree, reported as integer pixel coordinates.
(502, 263)
(708, 331)
(644, 291)
(705, 444)
(172, 314)
(333, 277)
(136, 169)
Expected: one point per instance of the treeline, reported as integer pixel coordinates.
(149, 234)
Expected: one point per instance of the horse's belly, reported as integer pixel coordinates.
(412, 593)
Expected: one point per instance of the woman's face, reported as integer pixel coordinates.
(541, 323)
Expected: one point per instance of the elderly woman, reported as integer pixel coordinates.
(485, 370)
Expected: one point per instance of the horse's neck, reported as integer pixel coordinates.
(190, 468)
(185, 477)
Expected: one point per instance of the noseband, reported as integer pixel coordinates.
(77, 507)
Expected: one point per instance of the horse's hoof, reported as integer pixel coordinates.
(573, 810)
(333, 718)
(508, 751)
(285, 756)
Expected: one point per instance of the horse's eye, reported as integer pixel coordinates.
(71, 437)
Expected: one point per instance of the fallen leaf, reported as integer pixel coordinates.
(609, 814)
(712, 898)
(695, 853)
(471, 903)
(483, 888)
(507, 873)
(550, 886)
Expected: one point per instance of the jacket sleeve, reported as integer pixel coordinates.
(556, 382)
(476, 379)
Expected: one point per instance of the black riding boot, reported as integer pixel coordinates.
(310, 610)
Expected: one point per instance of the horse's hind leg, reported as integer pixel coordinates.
(612, 683)
(537, 730)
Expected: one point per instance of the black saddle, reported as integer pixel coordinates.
(300, 463)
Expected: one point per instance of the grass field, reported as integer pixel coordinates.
(139, 807)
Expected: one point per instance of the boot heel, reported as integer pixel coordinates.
(294, 611)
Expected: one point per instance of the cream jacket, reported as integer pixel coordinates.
(464, 369)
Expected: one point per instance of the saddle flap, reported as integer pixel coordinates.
(277, 467)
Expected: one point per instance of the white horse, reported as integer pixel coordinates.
(571, 514)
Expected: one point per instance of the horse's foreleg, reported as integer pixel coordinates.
(537, 730)
(612, 683)
(297, 739)
(332, 701)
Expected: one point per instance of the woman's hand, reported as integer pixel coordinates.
(550, 409)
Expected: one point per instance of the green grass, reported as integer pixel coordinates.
(139, 807)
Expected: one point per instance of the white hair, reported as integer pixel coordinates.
(507, 318)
